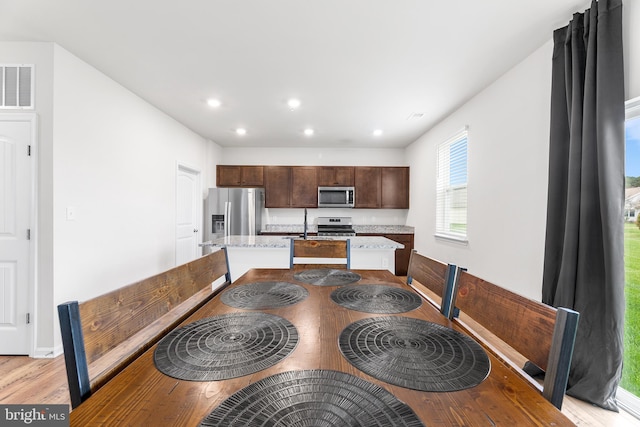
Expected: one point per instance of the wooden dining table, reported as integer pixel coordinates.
(141, 395)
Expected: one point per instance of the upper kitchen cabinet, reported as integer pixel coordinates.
(336, 176)
(382, 187)
(304, 187)
(291, 186)
(395, 187)
(239, 176)
(367, 180)
(277, 186)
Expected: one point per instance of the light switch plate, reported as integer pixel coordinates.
(71, 213)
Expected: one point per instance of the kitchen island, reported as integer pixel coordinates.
(246, 252)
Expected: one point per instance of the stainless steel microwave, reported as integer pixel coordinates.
(336, 197)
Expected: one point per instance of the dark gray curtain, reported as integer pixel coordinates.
(583, 263)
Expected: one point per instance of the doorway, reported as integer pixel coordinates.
(17, 219)
(188, 214)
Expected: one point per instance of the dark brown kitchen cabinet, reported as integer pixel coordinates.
(402, 255)
(277, 186)
(367, 184)
(304, 187)
(336, 176)
(382, 187)
(239, 176)
(394, 184)
(291, 186)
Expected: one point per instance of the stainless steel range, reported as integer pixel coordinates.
(335, 226)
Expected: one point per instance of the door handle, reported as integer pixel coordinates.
(195, 230)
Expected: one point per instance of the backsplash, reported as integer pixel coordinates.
(360, 216)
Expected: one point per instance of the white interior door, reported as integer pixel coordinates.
(16, 195)
(188, 214)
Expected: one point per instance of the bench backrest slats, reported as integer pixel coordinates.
(524, 324)
(543, 334)
(95, 328)
(109, 319)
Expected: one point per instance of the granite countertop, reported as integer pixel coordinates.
(360, 229)
(367, 242)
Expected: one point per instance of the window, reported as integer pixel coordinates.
(451, 188)
(629, 392)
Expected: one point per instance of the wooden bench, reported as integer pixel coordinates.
(435, 276)
(542, 334)
(103, 335)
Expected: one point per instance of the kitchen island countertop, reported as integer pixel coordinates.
(280, 242)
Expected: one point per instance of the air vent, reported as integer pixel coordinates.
(16, 88)
(414, 116)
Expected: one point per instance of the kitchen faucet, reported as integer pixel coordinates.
(305, 224)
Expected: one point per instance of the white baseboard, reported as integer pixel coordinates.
(47, 352)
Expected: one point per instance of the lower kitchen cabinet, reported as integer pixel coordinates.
(402, 255)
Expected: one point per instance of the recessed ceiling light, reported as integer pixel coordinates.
(308, 131)
(377, 132)
(214, 103)
(293, 103)
(241, 131)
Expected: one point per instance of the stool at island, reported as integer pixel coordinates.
(326, 253)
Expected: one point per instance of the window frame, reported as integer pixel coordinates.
(627, 400)
(445, 196)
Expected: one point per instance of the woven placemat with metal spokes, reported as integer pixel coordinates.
(376, 299)
(414, 353)
(327, 277)
(264, 295)
(225, 346)
(312, 398)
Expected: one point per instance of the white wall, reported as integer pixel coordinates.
(339, 156)
(508, 169)
(115, 161)
(508, 161)
(112, 156)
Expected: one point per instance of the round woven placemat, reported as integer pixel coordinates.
(327, 277)
(264, 295)
(415, 354)
(225, 346)
(317, 398)
(376, 299)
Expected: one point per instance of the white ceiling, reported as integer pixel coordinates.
(355, 65)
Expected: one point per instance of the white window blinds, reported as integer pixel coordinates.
(451, 188)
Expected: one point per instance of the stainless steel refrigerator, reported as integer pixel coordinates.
(233, 212)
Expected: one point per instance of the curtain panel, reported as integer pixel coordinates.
(584, 247)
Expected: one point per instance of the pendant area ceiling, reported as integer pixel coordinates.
(397, 66)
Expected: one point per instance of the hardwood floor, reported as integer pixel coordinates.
(43, 381)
